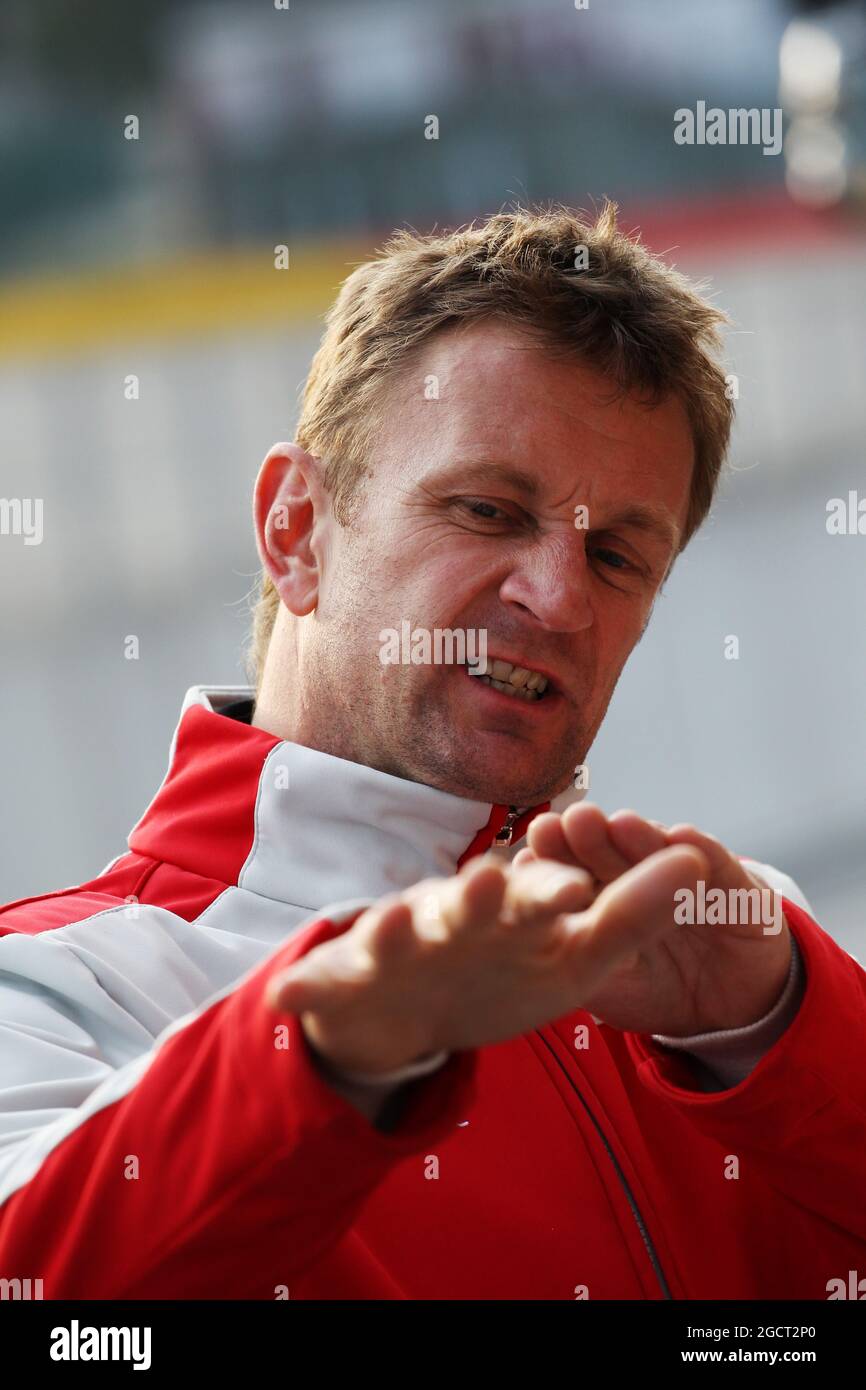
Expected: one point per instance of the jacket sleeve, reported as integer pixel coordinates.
(800, 1117)
(372, 1095)
(216, 1161)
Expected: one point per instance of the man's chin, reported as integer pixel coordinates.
(507, 765)
(509, 781)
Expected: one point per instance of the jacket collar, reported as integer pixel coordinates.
(242, 807)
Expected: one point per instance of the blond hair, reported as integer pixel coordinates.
(584, 287)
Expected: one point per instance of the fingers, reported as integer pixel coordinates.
(583, 836)
(316, 981)
(471, 900)
(523, 856)
(542, 889)
(631, 911)
(717, 855)
(585, 829)
(487, 893)
(634, 837)
(725, 869)
(546, 839)
(327, 975)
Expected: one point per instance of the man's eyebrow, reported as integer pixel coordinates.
(487, 470)
(646, 517)
(643, 515)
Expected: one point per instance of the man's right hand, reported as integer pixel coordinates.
(475, 959)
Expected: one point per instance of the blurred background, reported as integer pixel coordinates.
(151, 159)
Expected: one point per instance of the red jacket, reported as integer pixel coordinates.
(163, 1134)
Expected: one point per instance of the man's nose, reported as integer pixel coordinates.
(551, 580)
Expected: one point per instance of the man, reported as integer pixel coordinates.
(308, 1038)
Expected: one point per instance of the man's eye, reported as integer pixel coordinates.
(619, 561)
(478, 507)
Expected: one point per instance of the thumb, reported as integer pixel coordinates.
(639, 905)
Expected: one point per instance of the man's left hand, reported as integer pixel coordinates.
(704, 977)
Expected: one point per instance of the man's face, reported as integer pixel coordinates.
(468, 522)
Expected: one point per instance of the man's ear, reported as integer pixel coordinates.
(287, 505)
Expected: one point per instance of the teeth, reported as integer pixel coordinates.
(508, 689)
(513, 678)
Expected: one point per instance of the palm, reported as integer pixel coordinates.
(681, 985)
(690, 978)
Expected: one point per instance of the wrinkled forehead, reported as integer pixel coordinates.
(485, 391)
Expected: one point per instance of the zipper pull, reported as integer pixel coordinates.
(502, 838)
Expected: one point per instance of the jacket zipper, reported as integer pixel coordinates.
(503, 838)
(635, 1211)
(506, 830)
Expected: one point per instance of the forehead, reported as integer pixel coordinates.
(486, 391)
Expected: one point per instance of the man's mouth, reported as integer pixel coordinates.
(520, 681)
